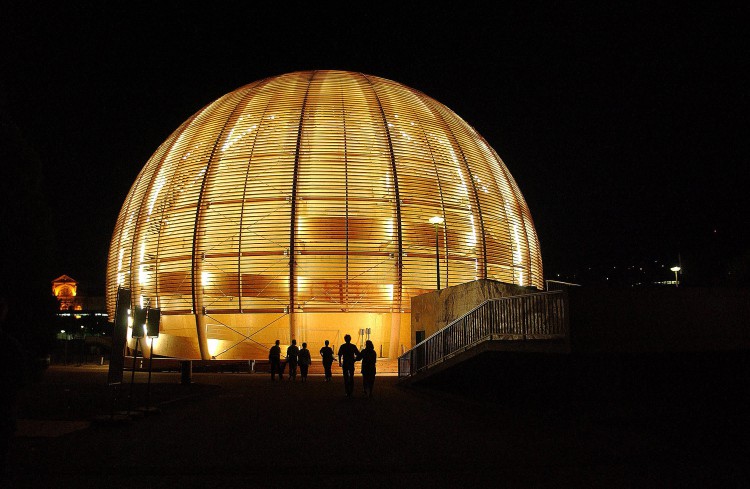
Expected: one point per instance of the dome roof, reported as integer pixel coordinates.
(313, 191)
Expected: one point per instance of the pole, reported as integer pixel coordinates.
(437, 256)
(150, 364)
(437, 221)
(676, 278)
(132, 376)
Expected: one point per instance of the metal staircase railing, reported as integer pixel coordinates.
(530, 317)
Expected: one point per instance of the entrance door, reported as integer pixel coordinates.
(420, 337)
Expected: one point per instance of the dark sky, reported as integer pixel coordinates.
(625, 125)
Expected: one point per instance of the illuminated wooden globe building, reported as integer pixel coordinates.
(299, 206)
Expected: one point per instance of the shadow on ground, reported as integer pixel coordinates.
(508, 420)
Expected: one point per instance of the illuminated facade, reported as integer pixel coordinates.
(65, 290)
(299, 206)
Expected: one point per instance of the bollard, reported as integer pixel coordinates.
(186, 370)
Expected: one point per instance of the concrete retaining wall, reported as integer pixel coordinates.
(658, 319)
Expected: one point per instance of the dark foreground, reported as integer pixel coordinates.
(496, 423)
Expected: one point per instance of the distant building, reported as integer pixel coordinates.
(65, 289)
(81, 315)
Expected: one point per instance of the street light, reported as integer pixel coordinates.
(676, 280)
(437, 221)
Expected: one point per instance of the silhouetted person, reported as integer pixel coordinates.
(368, 357)
(304, 361)
(327, 353)
(347, 354)
(274, 356)
(291, 359)
(14, 375)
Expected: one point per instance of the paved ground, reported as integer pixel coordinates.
(240, 430)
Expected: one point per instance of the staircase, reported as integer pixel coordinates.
(532, 322)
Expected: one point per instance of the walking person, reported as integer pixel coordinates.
(291, 358)
(327, 353)
(304, 361)
(274, 356)
(347, 354)
(368, 357)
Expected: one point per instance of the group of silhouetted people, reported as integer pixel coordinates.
(348, 355)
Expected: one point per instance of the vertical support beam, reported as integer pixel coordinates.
(398, 290)
(293, 228)
(393, 351)
(476, 213)
(240, 291)
(199, 256)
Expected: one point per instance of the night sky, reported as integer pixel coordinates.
(625, 126)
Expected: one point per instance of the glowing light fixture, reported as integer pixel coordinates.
(437, 221)
(676, 279)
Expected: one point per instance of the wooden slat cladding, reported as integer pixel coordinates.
(312, 191)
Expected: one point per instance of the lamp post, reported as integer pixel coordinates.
(676, 280)
(437, 221)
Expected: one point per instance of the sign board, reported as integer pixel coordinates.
(120, 333)
(139, 321)
(152, 322)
